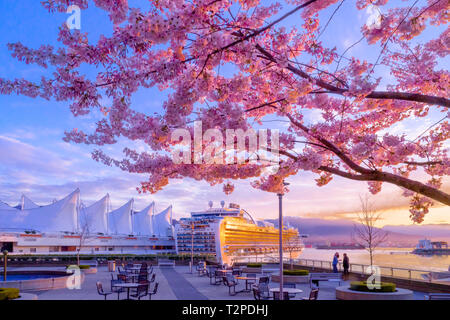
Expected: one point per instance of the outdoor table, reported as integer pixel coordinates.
(134, 269)
(247, 289)
(128, 286)
(288, 290)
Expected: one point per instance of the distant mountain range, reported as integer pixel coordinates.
(321, 231)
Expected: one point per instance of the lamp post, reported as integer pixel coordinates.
(5, 258)
(192, 245)
(280, 228)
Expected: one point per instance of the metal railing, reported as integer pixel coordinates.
(396, 272)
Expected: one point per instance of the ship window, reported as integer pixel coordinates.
(32, 249)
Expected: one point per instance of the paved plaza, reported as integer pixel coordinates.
(174, 284)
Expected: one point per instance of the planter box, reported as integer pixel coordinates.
(291, 279)
(252, 270)
(344, 293)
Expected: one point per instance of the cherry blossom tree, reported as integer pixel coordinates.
(280, 72)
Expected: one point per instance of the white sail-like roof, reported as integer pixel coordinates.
(26, 203)
(95, 217)
(143, 221)
(59, 216)
(162, 223)
(119, 220)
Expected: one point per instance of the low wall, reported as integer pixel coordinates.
(344, 293)
(411, 284)
(59, 282)
(289, 278)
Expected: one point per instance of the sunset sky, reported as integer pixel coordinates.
(37, 162)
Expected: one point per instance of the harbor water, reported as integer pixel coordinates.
(386, 257)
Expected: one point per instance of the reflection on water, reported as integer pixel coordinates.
(386, 257)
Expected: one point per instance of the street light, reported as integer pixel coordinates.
(192, 245)
(5, 258)
(280, 228)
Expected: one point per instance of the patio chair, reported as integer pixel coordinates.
(236, 272)
(142, 277)
(121, 270)
(123, 278)
(217, 277)
(141, 291)
(263, 289)
(276, 296)
(210, 274)
(152, 279)
(313, 295)
(100, 290)
(230, 282)
(155, 290)
(251, 275)
(258, 295)
(264, 280)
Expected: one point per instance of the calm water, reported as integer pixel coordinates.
(18, 277)
(402, 258)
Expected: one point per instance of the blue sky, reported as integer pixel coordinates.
(36, 161)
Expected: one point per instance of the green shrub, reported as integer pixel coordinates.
(254, 265)
(362, 286)
(296, 272)
(81, 266)
(9, 293)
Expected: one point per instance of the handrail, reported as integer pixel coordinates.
(328, 265)
(408, 273)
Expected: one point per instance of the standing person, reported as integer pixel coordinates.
(335, 262)
(346, 265)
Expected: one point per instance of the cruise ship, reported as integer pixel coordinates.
(231, 234)
(67, 227)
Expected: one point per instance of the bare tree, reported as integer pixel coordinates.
(365, 233)
(83, 229)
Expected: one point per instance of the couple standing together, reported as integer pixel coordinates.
(345, 263)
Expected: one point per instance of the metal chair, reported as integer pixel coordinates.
(217, 277)
(263, 289)
(230, 282)
(152, 279)
(141, 290)
(264, 280)
(100, 290)
(251, 275)
(142, 277)
(313, 295)
(155, 290)
(258, 295)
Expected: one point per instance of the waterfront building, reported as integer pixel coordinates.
(66, 226)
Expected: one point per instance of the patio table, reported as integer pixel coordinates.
(247, 279)
(288, 290)
(134, 269)
(128, 286)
